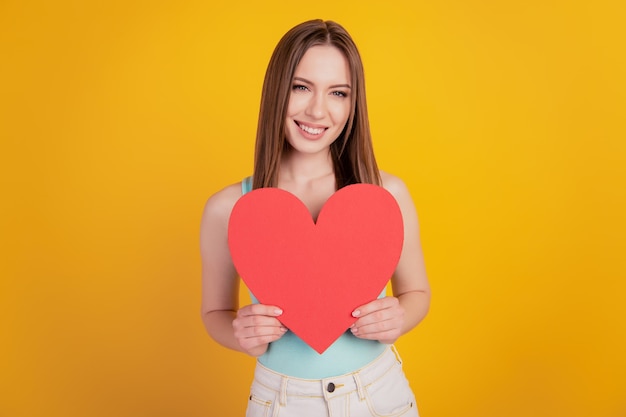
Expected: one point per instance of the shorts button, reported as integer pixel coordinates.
(330, 387)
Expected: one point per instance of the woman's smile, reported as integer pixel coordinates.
(311, 131)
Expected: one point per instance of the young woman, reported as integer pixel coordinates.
(313, 138)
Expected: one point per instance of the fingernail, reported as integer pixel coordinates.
(356, 313)
(355, 330)
(278, 311)
(283, 329)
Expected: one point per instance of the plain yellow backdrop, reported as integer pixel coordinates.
(118, 120)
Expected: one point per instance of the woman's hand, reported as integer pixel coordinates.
(381, 319)
(256, 326)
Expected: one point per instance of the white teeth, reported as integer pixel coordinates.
(311, 130)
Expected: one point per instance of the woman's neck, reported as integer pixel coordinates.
(310, 177)
(301, 168)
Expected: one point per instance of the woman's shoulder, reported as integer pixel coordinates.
(220, 204)
(398, 189)
(394, 185)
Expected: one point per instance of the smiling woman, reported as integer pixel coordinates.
(318, 106)
(352, 160)
(313, 139)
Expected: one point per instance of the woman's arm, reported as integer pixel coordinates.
(251, 328)
(388, 318)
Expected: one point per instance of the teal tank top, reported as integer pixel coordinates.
(291, 356)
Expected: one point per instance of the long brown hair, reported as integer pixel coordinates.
(352, 153)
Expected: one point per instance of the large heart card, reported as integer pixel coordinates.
(316, 272)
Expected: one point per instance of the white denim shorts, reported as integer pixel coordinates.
(378, 389)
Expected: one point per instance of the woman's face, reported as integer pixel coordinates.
(319, 103)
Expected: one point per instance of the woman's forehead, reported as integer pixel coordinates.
(324, 64)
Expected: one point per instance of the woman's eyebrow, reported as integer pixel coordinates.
(304, 80)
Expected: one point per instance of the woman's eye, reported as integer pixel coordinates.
(299, 87)
(340, 94)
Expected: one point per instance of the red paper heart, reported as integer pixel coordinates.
(318, 273)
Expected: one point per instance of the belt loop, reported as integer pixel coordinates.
(282, 398)
(359, 386)
(395, 352)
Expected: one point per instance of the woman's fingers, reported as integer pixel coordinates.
(381, 319)
(259, 310)
(256, 326)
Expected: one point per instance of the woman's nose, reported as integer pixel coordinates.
(316, 107)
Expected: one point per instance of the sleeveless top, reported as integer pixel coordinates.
(291, 356)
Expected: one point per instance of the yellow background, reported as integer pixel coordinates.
(118, 119)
